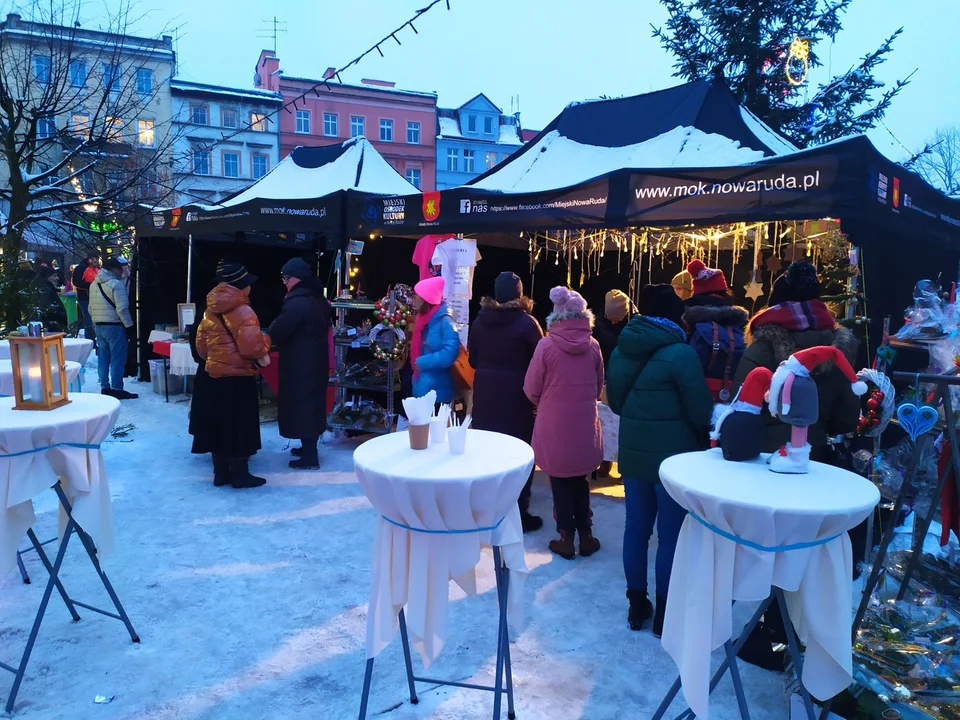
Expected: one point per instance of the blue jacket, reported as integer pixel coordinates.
(438, 351)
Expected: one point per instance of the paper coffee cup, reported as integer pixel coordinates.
(438, 430)
(458, 441)
(419, 436)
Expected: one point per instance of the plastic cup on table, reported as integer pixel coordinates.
(438, 430)
(419, 436)
(458, 441)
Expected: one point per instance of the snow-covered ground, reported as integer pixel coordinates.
(251, 604)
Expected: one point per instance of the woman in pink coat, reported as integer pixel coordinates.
(564, 382)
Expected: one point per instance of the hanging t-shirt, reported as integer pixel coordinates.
(423, 254)
(457, 260)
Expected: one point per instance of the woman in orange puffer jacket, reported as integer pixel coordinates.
(225, 412)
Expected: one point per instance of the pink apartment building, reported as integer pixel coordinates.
(401, 124)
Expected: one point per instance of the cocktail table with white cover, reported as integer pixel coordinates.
(36, 447)
(181, 360)
(750, 530)
(458, 503)
(74, 349)
(6, 376)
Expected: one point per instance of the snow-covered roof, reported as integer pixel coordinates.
(184, 86)
(304, 175)
(378, 88)
(779, 144)
(509, 135)
(556, 161)
(449, 128)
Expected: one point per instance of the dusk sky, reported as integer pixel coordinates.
(547, 52)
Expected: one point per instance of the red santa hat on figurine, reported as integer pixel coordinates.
(801, 364)
(738, 427)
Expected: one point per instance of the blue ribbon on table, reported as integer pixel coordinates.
(81, 446)
(442, 532)
(758, 546)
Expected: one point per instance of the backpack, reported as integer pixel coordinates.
(719, 349)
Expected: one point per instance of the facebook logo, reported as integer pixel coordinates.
(464, 206)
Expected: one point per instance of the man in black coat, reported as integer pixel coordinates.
(300, 335)
(82, 288)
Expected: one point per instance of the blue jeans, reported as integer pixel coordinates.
(648, 502)
(111, 355)
(84, 306)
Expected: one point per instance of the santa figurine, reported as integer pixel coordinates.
(794, 399)
(738, 428)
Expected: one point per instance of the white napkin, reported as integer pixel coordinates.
(420, 410)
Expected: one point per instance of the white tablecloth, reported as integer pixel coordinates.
(710, 571)
(610, 425)
(434, 490)
(87, 420)
(6, 376)
(74, 349)
(181, 360)
(156, 335)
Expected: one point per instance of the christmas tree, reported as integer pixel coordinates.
(765, 49)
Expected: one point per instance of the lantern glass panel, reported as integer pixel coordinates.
(55, 363)
(31, 372)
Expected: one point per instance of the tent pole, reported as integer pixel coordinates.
(189, 264)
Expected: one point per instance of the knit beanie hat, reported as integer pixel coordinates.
(233, 274)
(507, 287)
(706, 280)
(567, 301)
(798, 284)
(683, 281)
(660, 301)
(616, 305)
(296, 268)
(430, 290)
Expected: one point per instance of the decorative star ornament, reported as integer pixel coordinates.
(754, 290)
(774, 263)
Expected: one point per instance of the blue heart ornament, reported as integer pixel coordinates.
(916, 420)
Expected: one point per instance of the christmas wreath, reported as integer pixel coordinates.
(388, 342)
(879, 404)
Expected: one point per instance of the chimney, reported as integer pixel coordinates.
(268, 69)
(167, 40)
(13, 19)
(378, 83)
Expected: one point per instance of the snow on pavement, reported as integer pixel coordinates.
(252, 604)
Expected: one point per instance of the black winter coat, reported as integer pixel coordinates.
(81, 286)
(299, 334)
(607, 334)
(502, 341)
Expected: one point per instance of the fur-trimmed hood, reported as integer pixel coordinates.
(785, 343)
(723, 315)
(521, 303)
(498, 316)
(567, 315)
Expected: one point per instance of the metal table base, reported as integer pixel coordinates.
(54, 582)
(503, 684)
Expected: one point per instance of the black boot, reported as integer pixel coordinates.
(531, 523)
(640, 609)
(221, 470)
(240, 474)
(309, 458)
(658, 616)
(296, 452)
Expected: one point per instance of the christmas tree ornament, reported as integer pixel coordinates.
(774, 263)
(794, 399)
(798, 61)
(754, 290)
(738, 427)
(915, 418)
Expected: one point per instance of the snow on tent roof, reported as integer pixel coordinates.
(697, 124)
(313, 172)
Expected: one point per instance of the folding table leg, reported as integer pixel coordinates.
(405, 642)
(91, 549)
(365, 695)
(502, 575)
(795, 652)
(46, 563)
(22, 568)
(41, 611)
(735, 679)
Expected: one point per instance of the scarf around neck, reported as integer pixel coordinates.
(416, 339)
(796, 316)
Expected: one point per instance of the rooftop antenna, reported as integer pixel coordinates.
(272, 30)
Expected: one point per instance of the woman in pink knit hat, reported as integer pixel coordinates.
(434, 343)
(564, 382)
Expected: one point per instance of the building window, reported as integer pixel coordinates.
(330, 124)
(413, 133)
(228, 117)
(46, 128)
(488, 125)
(78, 73)
(148, 185)
(231, 164)
(303, 122)
(261, 164)
(111, 77)
(145, 81)
(491, 160)
(258, 121)
(413, 177)
(41, 69)
(115, 180)
(469, 158)
(356, 126)
(201, 162)
(453, 160)
(471, 123)
(386, 131)
(199, 115)
(80, 125)
(145, 133)
(114, 129)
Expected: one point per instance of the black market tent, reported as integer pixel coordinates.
(692, 154)
(297, 209)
